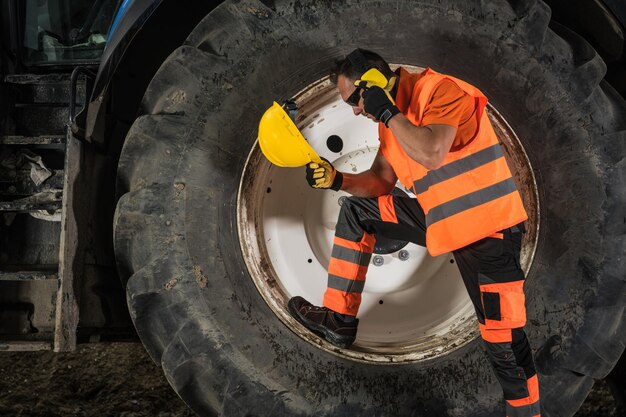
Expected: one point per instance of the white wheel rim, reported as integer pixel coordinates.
(412, 310)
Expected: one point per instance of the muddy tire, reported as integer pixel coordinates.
(191, 297)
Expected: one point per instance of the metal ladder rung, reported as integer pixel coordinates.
(28, 275)
(30, 79)
(15, 346)
(33, 140)
(47, 200)
(15, 206)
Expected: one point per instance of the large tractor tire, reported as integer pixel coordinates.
(196, 301)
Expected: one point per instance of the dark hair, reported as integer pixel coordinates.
(352, 66)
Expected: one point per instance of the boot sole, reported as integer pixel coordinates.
(335, 339)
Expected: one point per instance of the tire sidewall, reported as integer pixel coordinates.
(254, 349)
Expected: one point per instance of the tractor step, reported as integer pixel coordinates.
(37, 169)
(45, 140)
(46, 201)
(28, 275)
(17, 346)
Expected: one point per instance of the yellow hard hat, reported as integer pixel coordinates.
(281, 142)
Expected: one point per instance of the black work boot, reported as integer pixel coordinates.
(323, 322)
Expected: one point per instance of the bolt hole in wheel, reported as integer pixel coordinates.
(334, 143)
(426, 312)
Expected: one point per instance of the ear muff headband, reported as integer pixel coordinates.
(371, 76)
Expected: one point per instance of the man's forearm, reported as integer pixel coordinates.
(421, 143)
(365, 184)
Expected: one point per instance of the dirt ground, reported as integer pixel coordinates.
(100, 379)
(119, 379)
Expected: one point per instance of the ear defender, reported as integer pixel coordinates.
(373, 77)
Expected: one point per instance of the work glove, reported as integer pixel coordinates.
(323, 175)
(378, 103)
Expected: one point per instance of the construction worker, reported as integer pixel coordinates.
(435, 138)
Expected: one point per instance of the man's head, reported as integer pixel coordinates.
(350, 69)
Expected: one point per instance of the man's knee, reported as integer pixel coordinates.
(349, 208)
(350, 203)
(352, 215)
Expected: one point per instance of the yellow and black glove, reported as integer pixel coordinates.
(379, 104)
(323, 175)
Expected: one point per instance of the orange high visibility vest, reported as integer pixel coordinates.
(473, 194)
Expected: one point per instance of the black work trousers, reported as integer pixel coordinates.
(490, 269)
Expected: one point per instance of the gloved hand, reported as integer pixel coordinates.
(323, 175)
(377, 103)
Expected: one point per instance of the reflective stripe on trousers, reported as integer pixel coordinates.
(353, 245)
(490, 270)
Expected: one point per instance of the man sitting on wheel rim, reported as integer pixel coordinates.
(436, 138)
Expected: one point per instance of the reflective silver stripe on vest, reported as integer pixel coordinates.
(458, 167)
(345, 285)
(470, 200)
(529, 410)
(351, 255)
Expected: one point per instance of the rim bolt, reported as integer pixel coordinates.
(378, 260)
(403, 255)
(341, 200)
